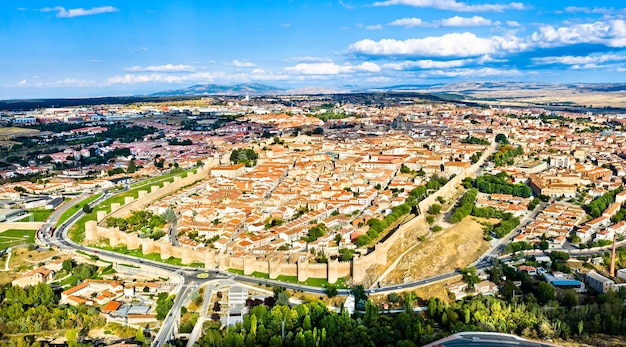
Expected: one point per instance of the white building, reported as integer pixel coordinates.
(599, 282)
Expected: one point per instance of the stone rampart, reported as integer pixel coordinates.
(144, 198)
(332, 271)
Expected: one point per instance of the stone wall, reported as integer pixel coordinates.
(144, 198)
(357, 267)
(379, 255)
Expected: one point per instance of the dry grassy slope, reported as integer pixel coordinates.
(445, 251)
(560, 96)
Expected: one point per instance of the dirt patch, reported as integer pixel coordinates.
(11, 132)
(444, 251)
(23, 256)
(7, 276)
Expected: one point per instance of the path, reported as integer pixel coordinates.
(6, 265)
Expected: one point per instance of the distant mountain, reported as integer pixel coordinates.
(317, 91)
(219, 89)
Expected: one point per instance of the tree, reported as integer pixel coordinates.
(338, 238)
(164, 304)
(86, 208)
(545, 293)
(67, 265)
(358, 291)
(571, 298)
(71, 335)
(509, 289)
(139, 336)
(434, 209)
(169, 215)
(132, 167)
(470, 276)
(501, 138)
(331, 290)
(282, 299)
(393, 297)
(19, 189)
(363, 240)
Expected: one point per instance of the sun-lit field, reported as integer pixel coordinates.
(443, 252)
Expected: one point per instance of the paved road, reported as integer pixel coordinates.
(486, 339)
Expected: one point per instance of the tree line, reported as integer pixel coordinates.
(498, 184)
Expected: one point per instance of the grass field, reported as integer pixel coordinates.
(10, 132)
(37, 215)
(152, 256)
(14, 237)
(445, 251)
(65, 216)
(314, 282)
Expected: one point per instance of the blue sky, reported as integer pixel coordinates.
(112, 47)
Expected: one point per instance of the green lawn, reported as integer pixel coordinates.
(37, 215)
(167, 177)
(14, 237)
(314, 282)
(67, 214)
(152, 256)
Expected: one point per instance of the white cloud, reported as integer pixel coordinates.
(346, 6)
(242, 63)
(513, 23)
(588, 10)
(374, 27)
(162, 77)
(457, 21)
(78, 12)
(611, 33)
(453, 5)
(449, 45)
(162, 68)
(579, 60)
(22, 82)
(427, 64)
(482, 72)
(307, 59)
(331, 68)
(408, 22)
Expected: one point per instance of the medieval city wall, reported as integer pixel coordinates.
(144, 197)
(332, 271)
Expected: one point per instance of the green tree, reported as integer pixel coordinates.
(545, 293)
(139, 336)
(470, 276)
(434, 209)
(282, 299)
(132, 167)
(508, 289)
(331, 290)
(501, 138)
(71, 335)
(570, 299)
